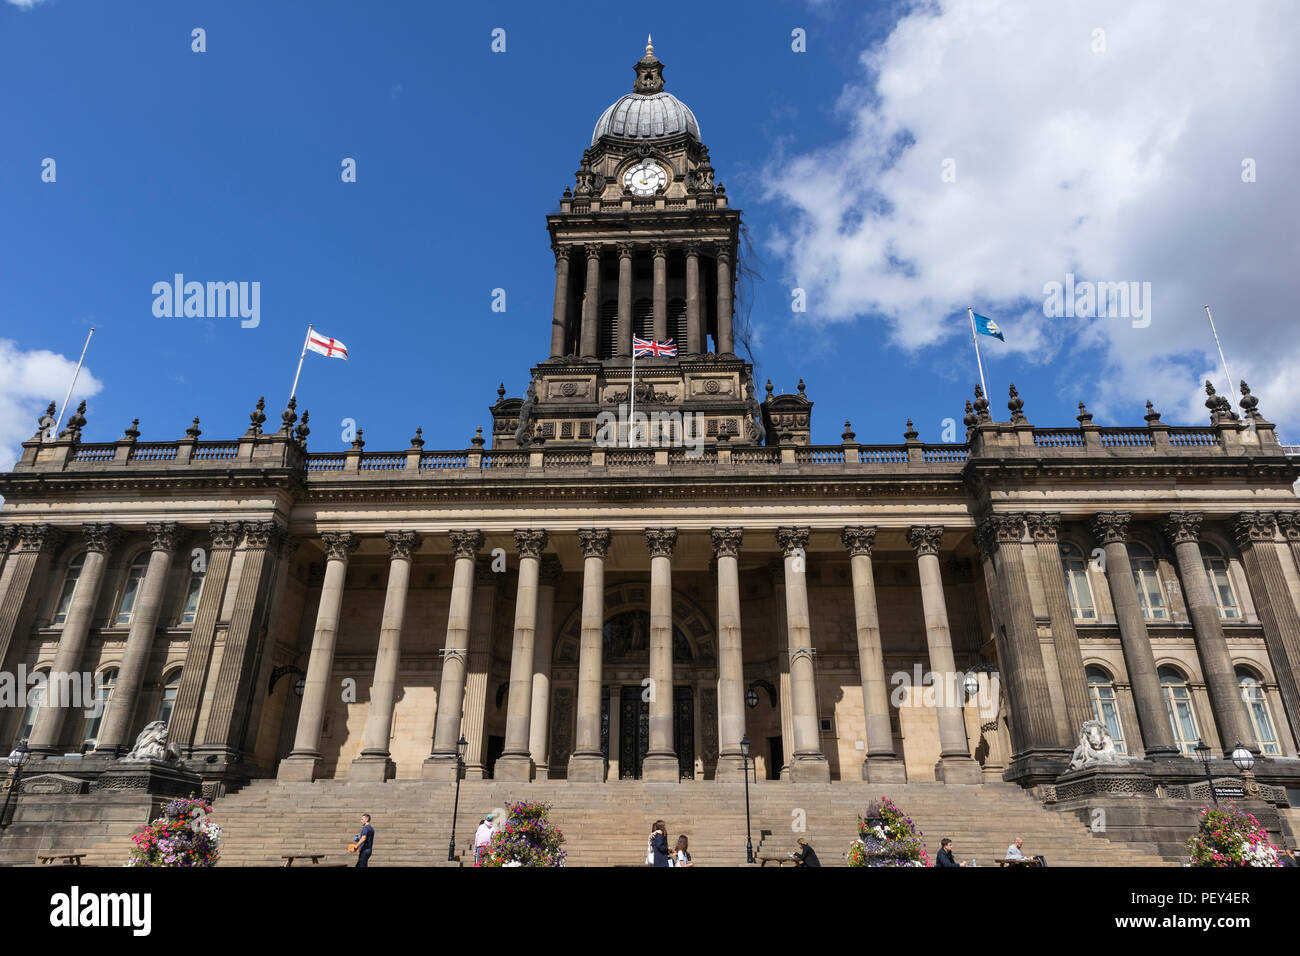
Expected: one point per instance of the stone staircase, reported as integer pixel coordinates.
(606, 824)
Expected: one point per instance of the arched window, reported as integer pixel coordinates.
(192, 592)
(134, 578)
(1216, 568)
(1075, 566)
(1252, 693)
(69, 588)
(1101, 691)
(103, 694)
(171, 685)
(35, 700)
(1178, 702)
(1147, 580)
(607, 330)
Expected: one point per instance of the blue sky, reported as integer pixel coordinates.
(225, 165)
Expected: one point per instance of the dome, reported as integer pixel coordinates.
(635, 116)
(647, 112)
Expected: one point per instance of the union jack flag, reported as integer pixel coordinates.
(651, 347)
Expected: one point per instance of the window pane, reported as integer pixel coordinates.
(69, 586)
(103, 695)
(133, 579)
(192, 597)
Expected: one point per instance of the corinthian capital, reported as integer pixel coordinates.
(225, 534)
(726, 541)
(594, 541)
(531, 543)
(792, 539)
(339, 544)
(101, 537)
(925, 538)
(1288, 523)
(465, 544)
(858, 539)
(1044, 526)
(1251, 526)
(37, 537)
(402, 544)
(661, 541)
(165, 535)
(1110, 527)
(266, 535)
(1181, 527)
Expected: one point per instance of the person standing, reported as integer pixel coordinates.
(482, 838)
(681, 855)
(658, 854)
(365, 841)
(945, 857)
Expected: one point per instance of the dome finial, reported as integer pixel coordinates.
(649, 44)
(649, 72)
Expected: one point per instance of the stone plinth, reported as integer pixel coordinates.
(439, 767)
(514, 767)
(660, 769)
(958, 770)
(584, 768)
(154, 777)
(297, 768)
(884, 770)
(372, 768)
(810, 769)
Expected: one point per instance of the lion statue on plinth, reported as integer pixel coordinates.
(1095, 747)
(152, 745)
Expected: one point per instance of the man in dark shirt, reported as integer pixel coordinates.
(805, 856)
(366, 839)
(945, 857)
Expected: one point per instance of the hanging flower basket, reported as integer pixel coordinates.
(184, 835)
(526, 839)
(1229, 836)
(887, 837)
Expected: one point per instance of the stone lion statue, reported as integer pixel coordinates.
(152, 745)
(1095, 746)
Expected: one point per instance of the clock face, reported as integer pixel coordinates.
(645, 179)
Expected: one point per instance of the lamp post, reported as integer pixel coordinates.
(749, 842)
(455, 807)
(1203, 751)
(17, 757)
(1244, 761)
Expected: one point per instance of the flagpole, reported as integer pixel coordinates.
(1220, 348)
(294, 391)
(631, 394)
(975, 339)
(64, 407)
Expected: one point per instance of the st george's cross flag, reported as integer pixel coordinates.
(332, 348)
(650, 347)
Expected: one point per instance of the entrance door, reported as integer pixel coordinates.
(495, 748)
(775, 758)
(684, 729)
(633, 732)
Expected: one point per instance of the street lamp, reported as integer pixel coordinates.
(1245, 762)
(455, 807)
(749, 842)
(751, 698)
(1203, 751)
(17, 757)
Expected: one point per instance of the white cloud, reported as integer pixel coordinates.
(28, 382)
(1122, 165)
(26, 4)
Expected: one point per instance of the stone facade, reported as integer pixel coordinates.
(592, 610)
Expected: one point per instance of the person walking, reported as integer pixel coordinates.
(482, 838)
(681, 855)
(365, 841)
(657, 854)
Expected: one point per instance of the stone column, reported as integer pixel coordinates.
(516, 761)
(101, 540)
(300, 765)
(660, 762)
(591, 303)
(807, 763)
(1027, 688)
(625, 252)
(1183, 530)
(375, 764)
(183, 728)
(1274, 605)
(482, 634)
(731, 654)
(115, 736)
(880, 764)
(1045, 530)
(694, 343)
(560, 315)
(776, 570)
(31, 550)
(588, 764)
(539, 725)
(725, 318)
(1111, 530)
(1288, 522)
(441, 763)
(955, 763)
(660, 253)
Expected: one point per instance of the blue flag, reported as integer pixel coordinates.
(986, 326)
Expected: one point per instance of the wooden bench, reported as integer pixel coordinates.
(69, 859)
(779, 859)
(314, 857)
(1030, 861)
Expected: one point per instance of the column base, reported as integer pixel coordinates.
(513, 767)
(884, 770)
(1162, 753)
(440, 768)
(661, 768)
(372, 768)
(587, 768)
(958, 770)
(810, 768)
(298, 768)
(730, 767)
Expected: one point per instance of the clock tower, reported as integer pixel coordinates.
(645, 246)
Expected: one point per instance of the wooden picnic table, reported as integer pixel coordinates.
(70, 859)
(780, 859)
(314, 857)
